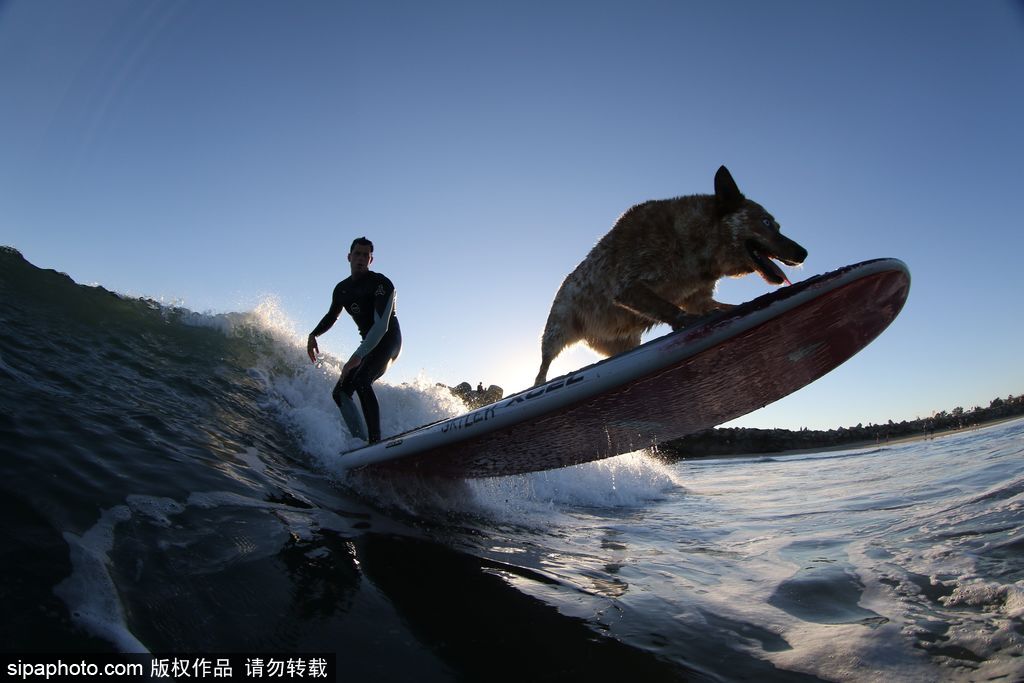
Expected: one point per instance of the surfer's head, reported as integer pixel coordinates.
(360, 255)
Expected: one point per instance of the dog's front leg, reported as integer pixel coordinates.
(702, 301)
(640, 299)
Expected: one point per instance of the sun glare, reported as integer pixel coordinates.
(517, 371)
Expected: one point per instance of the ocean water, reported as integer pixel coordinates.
(169, 484)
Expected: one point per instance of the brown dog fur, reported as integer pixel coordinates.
(659, 264)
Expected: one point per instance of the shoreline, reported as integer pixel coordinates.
(858, 445)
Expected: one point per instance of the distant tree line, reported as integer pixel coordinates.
(743, 441)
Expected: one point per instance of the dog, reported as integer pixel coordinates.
(659, 264)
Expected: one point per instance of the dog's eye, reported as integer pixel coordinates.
(768, 222)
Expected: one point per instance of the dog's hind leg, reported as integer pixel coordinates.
(640, 299)
(542, 374)
(551, 344)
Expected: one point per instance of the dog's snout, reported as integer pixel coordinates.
(792, 254)
(798, 258)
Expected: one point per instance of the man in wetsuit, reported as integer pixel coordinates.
(369, 298)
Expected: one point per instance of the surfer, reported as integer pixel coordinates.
(369, 298)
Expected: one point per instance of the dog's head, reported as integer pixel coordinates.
(755, 238)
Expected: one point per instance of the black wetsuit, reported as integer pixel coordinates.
(370, 300)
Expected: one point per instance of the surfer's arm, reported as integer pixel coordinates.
(381, 321)
(326, 323)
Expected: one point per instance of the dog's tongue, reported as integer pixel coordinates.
(766, 266)
(769, 268)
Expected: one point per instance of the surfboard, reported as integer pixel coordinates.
(724, 366)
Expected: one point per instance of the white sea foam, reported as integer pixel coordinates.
(158, 510)
(90, 592)
(631, 480)
(540, 500)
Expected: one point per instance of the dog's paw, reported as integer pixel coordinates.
(684, 320)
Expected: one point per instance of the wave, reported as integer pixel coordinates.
(214, 385)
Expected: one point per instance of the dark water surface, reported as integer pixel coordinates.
(169, 485)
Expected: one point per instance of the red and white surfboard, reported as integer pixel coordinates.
(721, 368)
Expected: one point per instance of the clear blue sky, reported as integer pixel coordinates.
(215, 154)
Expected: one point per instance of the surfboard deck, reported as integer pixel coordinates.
(720, 368)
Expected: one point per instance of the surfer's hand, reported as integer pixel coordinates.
(311, 348)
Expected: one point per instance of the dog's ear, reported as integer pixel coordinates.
(728, 197)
